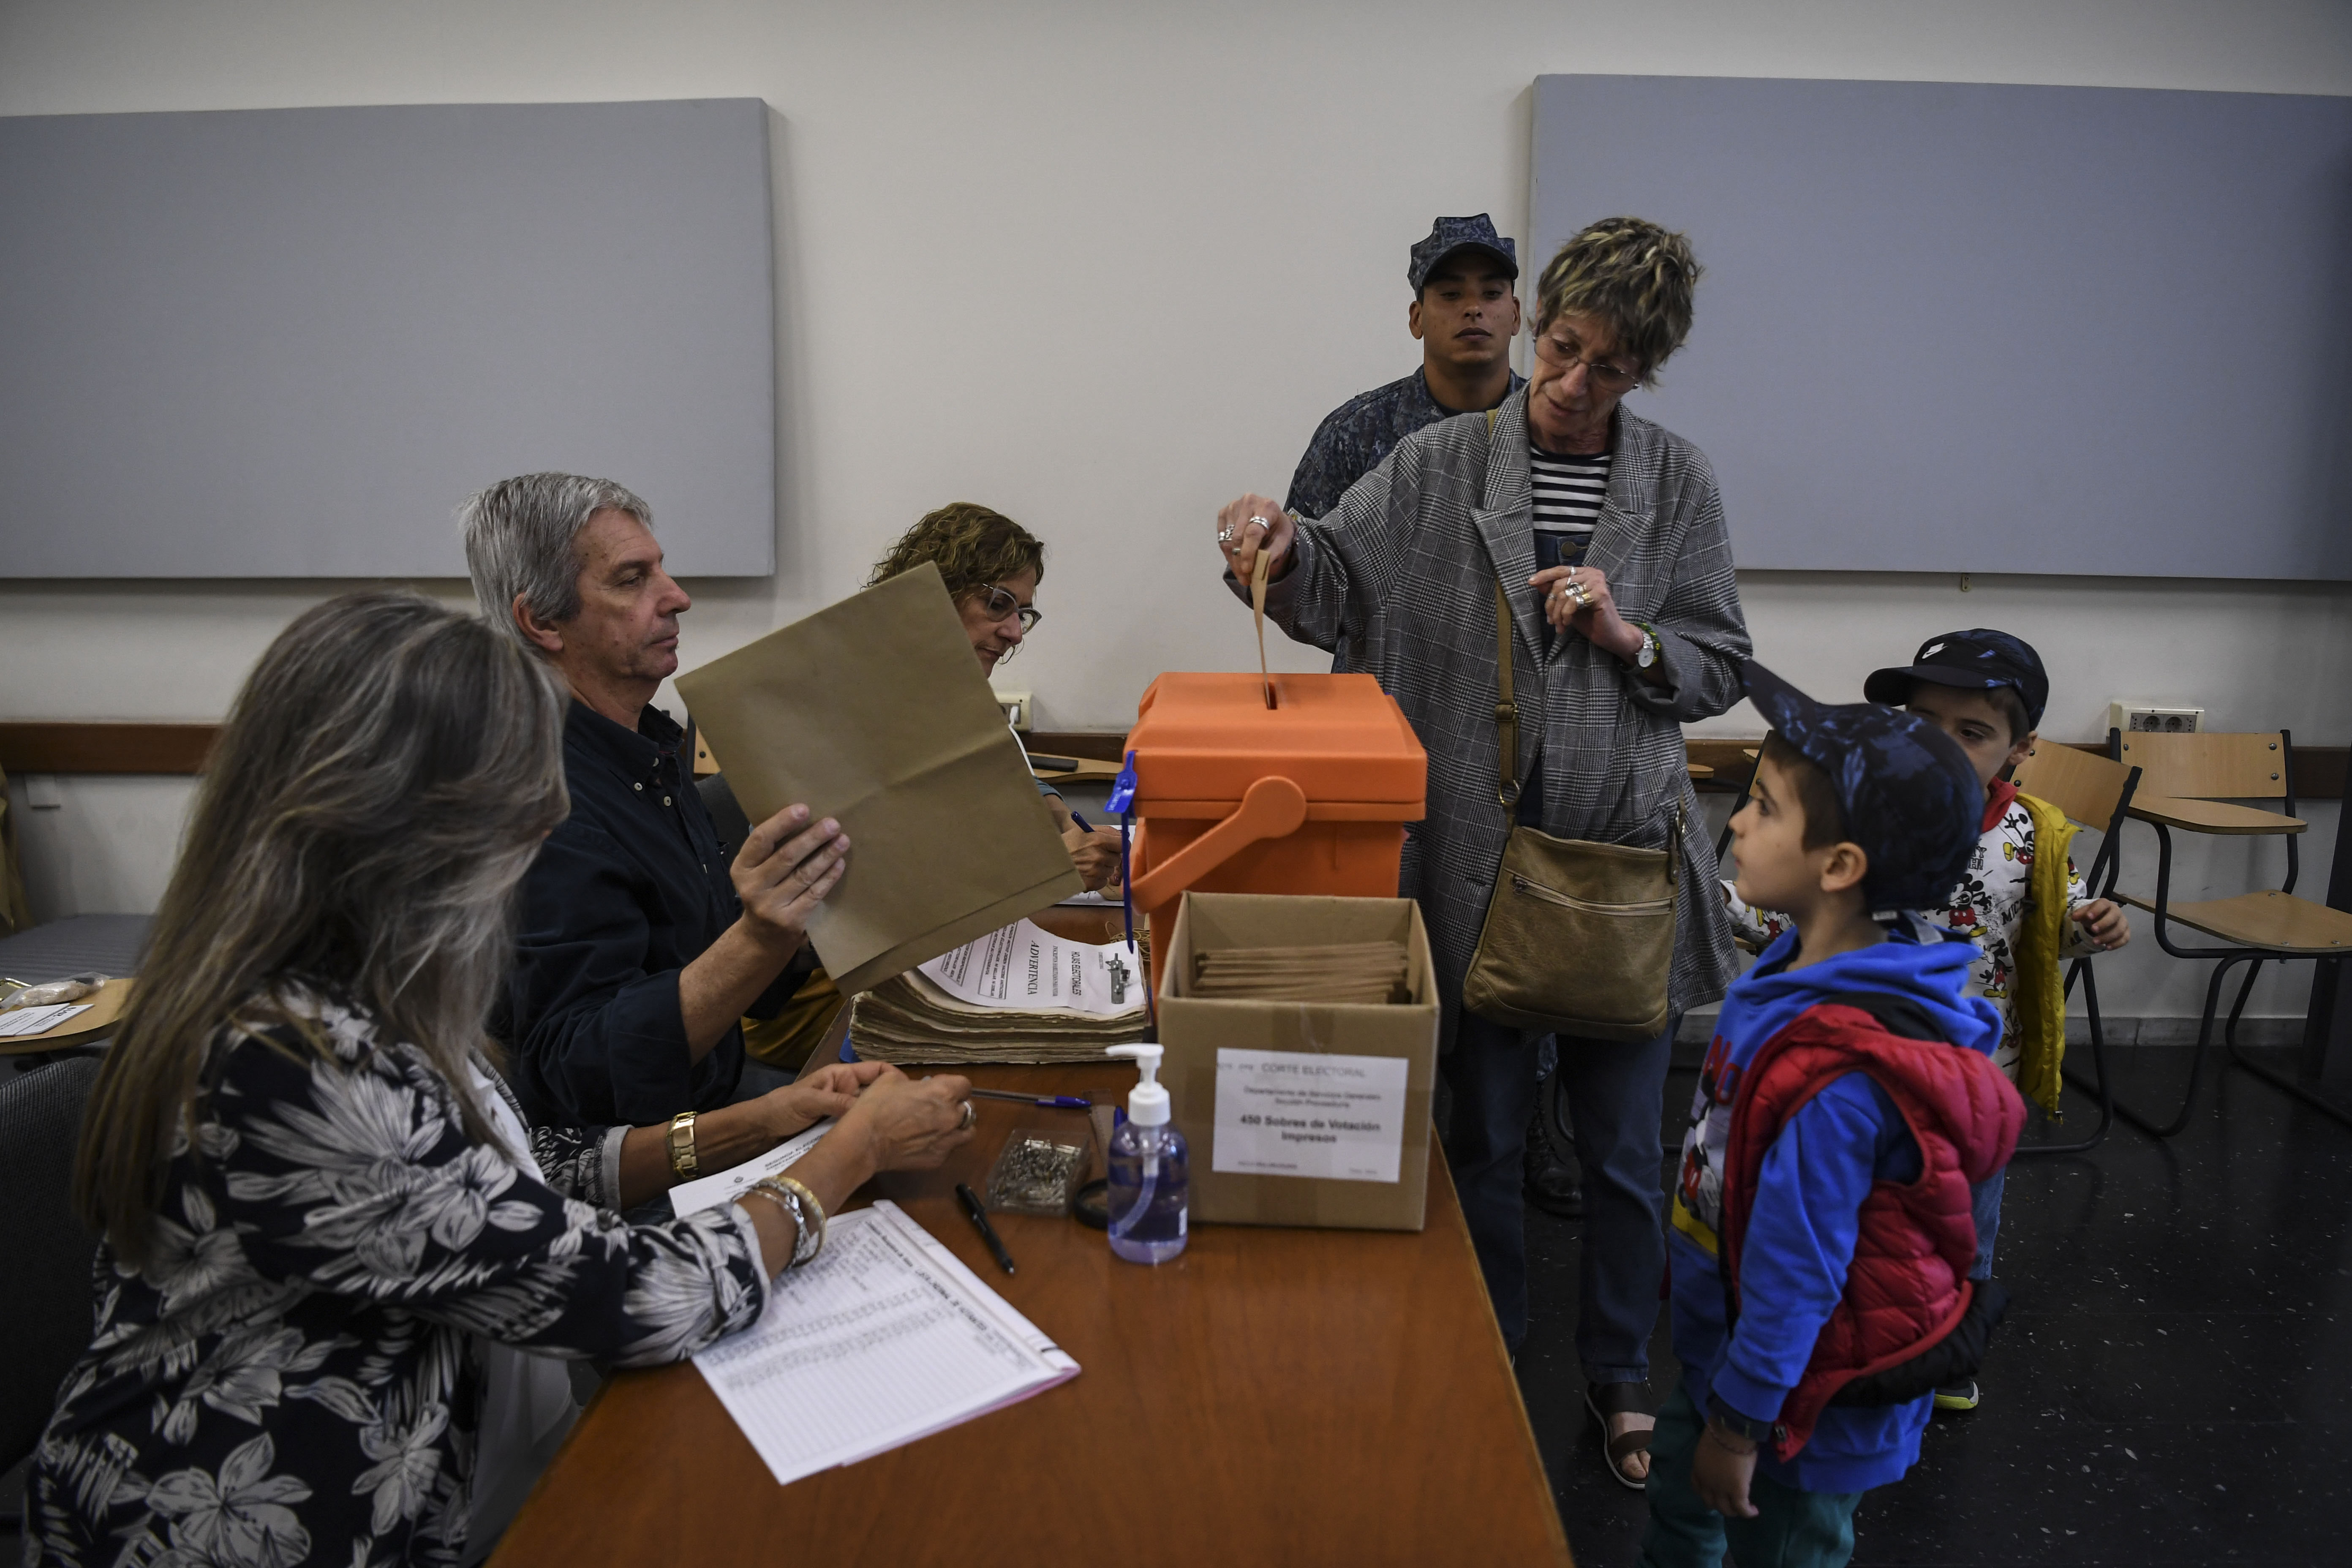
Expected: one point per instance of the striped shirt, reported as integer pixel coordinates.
(1568, 492)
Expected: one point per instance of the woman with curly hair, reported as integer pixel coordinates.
(1606, 534)
(340, 1270)
(993, 566)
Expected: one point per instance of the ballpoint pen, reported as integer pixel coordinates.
(1050, 1101)
(987, 1231)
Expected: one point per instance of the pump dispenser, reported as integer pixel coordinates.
(1150, 1170)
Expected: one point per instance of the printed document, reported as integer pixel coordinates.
(884, 1338)
(39, 1020)
(709, 1192)
(1025, 969)
(1299, 1113)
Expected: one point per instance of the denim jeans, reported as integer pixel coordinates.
(1984, 1203)
(1792, 1529)
(1615, 1097)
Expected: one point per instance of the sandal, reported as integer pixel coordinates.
(1607, 1399)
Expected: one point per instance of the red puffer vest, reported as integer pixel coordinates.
(1908, 1284)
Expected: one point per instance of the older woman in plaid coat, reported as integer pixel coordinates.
(1628, 627)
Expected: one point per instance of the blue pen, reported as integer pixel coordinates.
(1050, 1101)
(1084, 825)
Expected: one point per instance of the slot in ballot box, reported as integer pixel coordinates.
(1303, 1113)
(1308, 797)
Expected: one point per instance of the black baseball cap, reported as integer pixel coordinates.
(1448, 234)
(1910, 795)
(1974, 660)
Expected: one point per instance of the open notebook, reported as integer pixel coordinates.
(883, 1339)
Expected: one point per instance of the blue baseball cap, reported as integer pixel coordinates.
(1911, 797)
(1975, 660)
(1448, 234)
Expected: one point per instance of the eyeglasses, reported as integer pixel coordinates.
(1607, 377)
(1001, 606)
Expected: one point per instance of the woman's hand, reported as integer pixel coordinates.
(1577, 598)
(1249, 525)
(909, 1125)
(1095, 853)
(828, 1090)
(785, 870)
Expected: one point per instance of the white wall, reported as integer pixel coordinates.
(1104, 266)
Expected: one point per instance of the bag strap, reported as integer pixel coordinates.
(1507, 710)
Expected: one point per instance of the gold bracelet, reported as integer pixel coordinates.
(681, 1145)
(800, 1190)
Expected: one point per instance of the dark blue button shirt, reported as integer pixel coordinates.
(1355, 437)
(629, 890)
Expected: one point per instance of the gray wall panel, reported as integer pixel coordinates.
(1986, 328)
(288, 342)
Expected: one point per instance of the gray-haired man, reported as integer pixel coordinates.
(640, 947)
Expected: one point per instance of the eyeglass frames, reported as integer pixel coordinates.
(1606, 376)
(1001, 606)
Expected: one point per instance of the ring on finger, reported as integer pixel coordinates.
(1225, 534)
(1262, 523)
(969, 1116)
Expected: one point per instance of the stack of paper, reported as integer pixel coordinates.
(884, 1338)
(1019, 995)
(26, 1021)
(909, 1019)
(1362, 972)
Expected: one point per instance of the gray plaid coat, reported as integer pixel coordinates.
(1407, 566)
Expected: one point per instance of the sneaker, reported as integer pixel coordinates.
(1551, 1183)
(1961, 1395)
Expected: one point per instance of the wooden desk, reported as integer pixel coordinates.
(105, 1010)
(2213, 816)
(1273, 1396)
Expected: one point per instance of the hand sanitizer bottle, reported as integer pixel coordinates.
(1150, 1177)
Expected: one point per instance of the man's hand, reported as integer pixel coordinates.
(784, 871)
(1249, 525)
(1720, 1471)
(2105, 923)
(1095, 853)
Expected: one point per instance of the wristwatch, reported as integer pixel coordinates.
(681, 1145)
(1647, 654)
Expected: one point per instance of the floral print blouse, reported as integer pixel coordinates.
(289, 1380)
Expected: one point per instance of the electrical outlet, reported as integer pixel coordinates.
(2149, 718)
(41, 792)
(1019, 708)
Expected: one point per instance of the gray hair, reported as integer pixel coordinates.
(377, 793)
(520, 539)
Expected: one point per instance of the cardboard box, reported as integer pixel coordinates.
(1338, 1058)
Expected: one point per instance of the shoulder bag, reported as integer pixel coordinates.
(1578, 938)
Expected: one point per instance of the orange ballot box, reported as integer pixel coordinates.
(1309, 795)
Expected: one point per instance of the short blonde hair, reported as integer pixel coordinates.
(1635, 275)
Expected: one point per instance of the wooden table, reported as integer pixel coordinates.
(105, 1009)
(1273, 1396)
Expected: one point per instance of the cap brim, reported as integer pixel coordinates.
(1892, 687)
(1785, 708)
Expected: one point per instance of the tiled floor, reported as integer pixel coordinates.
(2174, 1383)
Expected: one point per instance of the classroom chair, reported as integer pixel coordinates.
(2095, 792)
(45, 1312)
(2190, 783)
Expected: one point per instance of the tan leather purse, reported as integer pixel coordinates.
(1580, 937)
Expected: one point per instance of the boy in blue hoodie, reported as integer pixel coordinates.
(1822, 1237)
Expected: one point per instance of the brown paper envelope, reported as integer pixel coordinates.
(873, 711)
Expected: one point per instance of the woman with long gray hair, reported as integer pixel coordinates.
(326, 1229)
